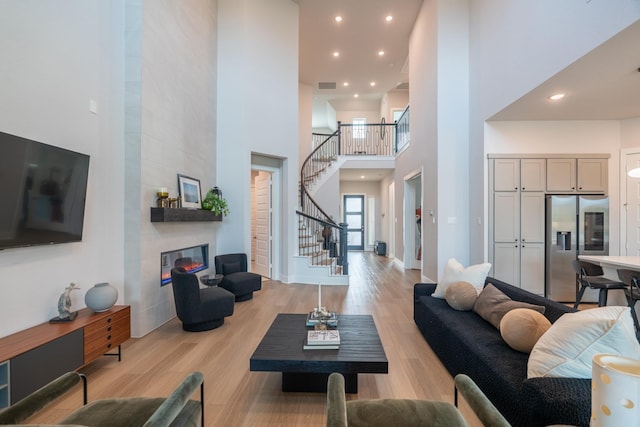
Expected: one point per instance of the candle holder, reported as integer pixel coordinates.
(163, 198)
(321, 318)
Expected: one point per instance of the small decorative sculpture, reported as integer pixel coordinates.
(64, 304)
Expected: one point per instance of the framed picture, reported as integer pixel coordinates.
(189, 189)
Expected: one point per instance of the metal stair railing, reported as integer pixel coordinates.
(320, 237)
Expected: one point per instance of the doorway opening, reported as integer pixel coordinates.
(413, 222)
(266, 221)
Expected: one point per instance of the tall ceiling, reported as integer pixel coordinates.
(358, 38)
(602, 85)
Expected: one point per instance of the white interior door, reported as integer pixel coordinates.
(263, 227)
(633, 207)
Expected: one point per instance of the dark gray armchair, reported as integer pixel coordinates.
(177, 410)
(237, 279)
(199, 309)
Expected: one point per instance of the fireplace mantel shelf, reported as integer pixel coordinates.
(182, 215)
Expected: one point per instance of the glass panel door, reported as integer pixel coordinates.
(354, 218)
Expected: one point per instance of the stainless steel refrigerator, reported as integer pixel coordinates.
(575, 225)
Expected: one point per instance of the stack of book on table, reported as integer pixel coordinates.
(314, 319)
(328, 339)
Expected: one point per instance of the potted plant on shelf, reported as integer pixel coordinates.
(214, 202)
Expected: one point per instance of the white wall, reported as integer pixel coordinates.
(324, 115)
(509, 56)
(393, 100)
(346, 116)
(421, 154)
(305, 113)
(257, 112)
(56, 57)
(438, 61)
(452, 215)
(327, 195)
(630, 133)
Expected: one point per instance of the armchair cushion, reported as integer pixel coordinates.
(386, 412)
(136, 411)
(177, 410)
(231, 267)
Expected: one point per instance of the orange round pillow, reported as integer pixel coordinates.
(522, 327)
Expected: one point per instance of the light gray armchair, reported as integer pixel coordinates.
(177, 410)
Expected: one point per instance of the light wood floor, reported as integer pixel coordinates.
(234, 396)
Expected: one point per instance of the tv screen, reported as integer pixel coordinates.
(43, 190)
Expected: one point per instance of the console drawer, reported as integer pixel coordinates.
(105, 334)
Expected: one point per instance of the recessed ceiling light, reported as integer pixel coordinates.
(361, 176)
(388, 18)
(355, 95)
(372, 84)
(345, 84)
(338, 18)
(381, 53)
(557, 96)
(336, 54)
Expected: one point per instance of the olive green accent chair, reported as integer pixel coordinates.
(407, 412)
(177, 410)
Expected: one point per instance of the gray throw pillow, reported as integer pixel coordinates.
(492, 304)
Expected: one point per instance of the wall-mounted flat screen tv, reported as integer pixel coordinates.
(42, 193)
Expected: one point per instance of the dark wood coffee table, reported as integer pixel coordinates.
(307, 370)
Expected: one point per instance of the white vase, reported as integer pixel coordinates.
(615, 391)
(101, 297)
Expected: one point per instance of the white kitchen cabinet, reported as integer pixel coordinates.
(519, 174)
(506, 174)
(561, 175)
(532, 217)
(532, 267)
(518, 255)
(592, 175)
(581, 175)
(506, 263)
(507, 217)
(533, 174)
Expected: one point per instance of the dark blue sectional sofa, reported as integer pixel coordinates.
(467, 344)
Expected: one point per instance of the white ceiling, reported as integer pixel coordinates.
(602, 85)
(361, 34)
(364, 175)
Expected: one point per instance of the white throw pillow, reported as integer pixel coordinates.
(568, 347)
(455, 272)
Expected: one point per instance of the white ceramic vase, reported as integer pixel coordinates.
(101, 297)
(615, 391)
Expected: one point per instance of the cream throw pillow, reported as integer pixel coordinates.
(455, 272)
(568, 347)
(461, 296)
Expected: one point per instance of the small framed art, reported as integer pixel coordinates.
(189, 189)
